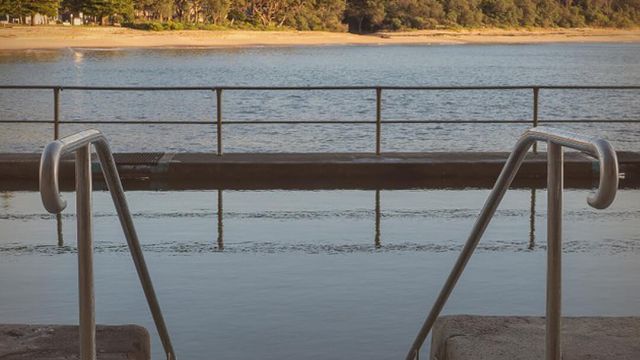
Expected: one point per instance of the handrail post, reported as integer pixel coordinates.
(536, 92)
(554, 249)
(85, 254)
(50, 192)
(56, 113)
(219, 120)
(378, 118)
(604, 196)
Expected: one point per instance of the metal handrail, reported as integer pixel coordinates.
(219, 122)
(604, 196)
(338, 87)
(50, 192)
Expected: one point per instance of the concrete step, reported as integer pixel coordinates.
(166, 171)
(60, 342)
(466, 337)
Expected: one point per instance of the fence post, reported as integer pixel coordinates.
(554, 250)
(85, 254)
(378, 118)
(536, 91)
(56, 113)
(219, 119)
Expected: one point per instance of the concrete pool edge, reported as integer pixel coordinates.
(33, 342)
(465, 337)
(253, 171)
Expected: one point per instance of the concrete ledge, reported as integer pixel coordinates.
(318, 171)
(465, 337)
(60, 342)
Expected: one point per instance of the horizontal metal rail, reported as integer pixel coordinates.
(604, 196)
(315, 122)
(219, 122)
(49, 169)
(356, 87)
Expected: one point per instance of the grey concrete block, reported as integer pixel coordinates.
(465, 337)
(58, 342)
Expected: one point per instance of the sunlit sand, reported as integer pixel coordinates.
(55, 37)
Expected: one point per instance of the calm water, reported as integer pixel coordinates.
(303, 274)
(317, 274)
(554, 64)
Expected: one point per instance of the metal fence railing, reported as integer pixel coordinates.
(218, 122)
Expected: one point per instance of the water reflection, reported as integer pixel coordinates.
(59, 230)
(30, 56)
(6, 200)
(220, 225)
(377, 239)
(532, 220)
(377, 231)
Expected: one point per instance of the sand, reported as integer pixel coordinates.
(56, 37)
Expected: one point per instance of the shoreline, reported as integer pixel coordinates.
(21, 38)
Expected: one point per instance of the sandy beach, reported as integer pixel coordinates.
(56, 37)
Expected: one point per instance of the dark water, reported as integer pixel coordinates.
(549, 64)
(306, 274)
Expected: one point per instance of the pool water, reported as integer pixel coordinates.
(314, 274)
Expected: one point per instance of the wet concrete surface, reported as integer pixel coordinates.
(58, 342)
(466, 337)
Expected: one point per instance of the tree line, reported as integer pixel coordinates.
(334, 15)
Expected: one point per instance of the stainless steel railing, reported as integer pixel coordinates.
(218, 121)
(80, 143)
(604, 196)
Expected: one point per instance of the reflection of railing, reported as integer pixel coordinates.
(534, 121)
(377, 222)
(605, 195)
(81, 143)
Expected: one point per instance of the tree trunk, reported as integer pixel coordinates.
(33, 19)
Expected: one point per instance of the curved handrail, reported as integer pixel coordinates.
(604, 196)
(54, 203)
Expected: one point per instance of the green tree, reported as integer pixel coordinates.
(499, 12)
(71, 6)
(547, 13)
(463, 12)
(42, 7)
(367, 14)
(103, 10)
(414, 14)
(527, 12)
(316, 15)
(215, 11)
(155, 9)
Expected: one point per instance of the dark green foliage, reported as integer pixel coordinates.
(413, 14)
(500, 12)
(365, 15)
(108, 10)
(425, 14)
(24, 8)
(335, 15)
(316, 15)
